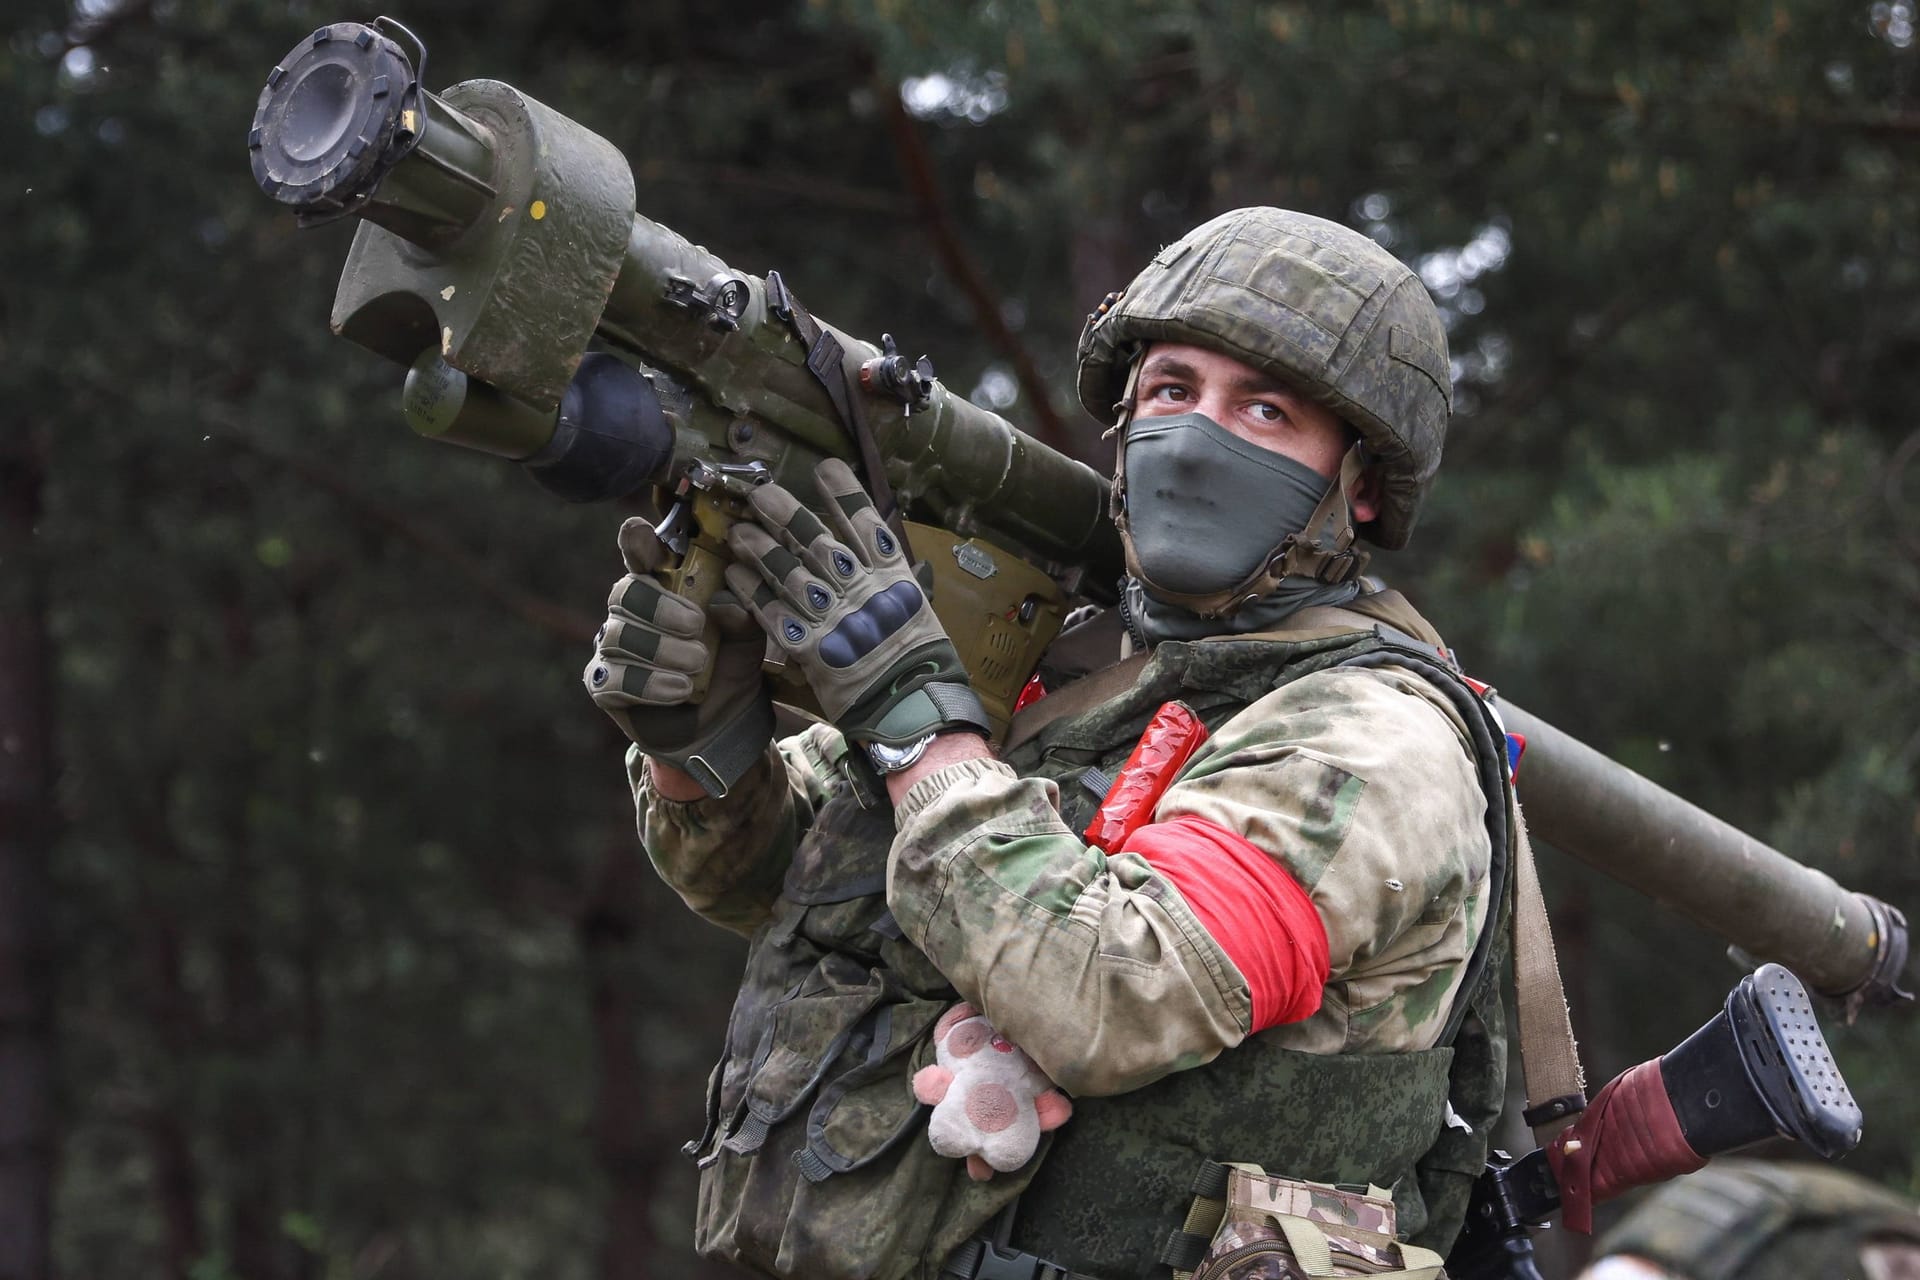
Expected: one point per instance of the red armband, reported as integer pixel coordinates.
(1247, 903)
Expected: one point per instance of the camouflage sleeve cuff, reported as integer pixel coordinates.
(725, 857)
(937, 784)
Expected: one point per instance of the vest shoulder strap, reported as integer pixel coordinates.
(1316, 622)
(1084, 694)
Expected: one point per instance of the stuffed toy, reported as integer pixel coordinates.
(990, 1103)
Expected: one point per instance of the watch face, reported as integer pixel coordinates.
(893, 759)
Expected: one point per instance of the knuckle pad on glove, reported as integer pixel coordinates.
(781, 566)
(840, 562)
(869, 626)
(807, 530)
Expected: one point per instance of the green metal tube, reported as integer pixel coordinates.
(1840, 942)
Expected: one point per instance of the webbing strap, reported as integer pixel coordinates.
(1186, 1247)
(826, 361)
(1316, 622)
(1084, 694)
(1549, 1059)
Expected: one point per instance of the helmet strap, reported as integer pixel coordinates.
(1122, 415)
(1324, 550)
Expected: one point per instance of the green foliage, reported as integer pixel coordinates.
(341, 894)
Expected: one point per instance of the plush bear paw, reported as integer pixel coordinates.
(990, 1102)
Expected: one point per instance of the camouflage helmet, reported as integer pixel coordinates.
(1743, 1219)
(1313, 303)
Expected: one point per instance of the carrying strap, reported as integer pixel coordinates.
(1549, 1059)
(827, 362)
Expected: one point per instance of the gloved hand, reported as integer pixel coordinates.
(845, 606)
(647, 654)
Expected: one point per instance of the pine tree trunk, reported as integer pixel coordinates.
(176, 1029)
(249, 1126)
(622, 1137)
(27, 827)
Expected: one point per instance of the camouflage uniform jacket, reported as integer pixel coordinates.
(1363, 781)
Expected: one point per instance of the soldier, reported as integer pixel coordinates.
(1760, 1221)
(1292, 965)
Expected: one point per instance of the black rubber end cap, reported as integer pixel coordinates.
(326, 116)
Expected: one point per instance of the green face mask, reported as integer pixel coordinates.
(1206, 510)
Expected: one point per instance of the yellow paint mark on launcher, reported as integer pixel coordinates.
(446, 341)
(537, 210)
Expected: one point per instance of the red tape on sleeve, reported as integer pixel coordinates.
(1627, 1137)
(1247, 902)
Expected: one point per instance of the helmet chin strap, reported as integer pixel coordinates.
(1323, 551)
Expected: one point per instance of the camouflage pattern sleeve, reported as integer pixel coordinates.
(726, 857)
(1362, 784)
(1358, 782)
(1094, 965)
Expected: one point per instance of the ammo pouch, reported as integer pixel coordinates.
(1248, 1225)
(815, 1160)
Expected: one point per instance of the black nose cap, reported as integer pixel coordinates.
(328, 113)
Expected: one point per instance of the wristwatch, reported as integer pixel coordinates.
(888, 759)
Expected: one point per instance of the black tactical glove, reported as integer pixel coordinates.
(647, 654)
(845, 605)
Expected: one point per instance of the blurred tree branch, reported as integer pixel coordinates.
(29, 826)
(916, 169)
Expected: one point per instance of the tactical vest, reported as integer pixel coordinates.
(1752, 1221)
(815, 1161)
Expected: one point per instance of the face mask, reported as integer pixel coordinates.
(1206, 510)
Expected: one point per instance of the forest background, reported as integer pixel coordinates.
(326, 947)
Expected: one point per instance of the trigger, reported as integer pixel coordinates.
(672, 531)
